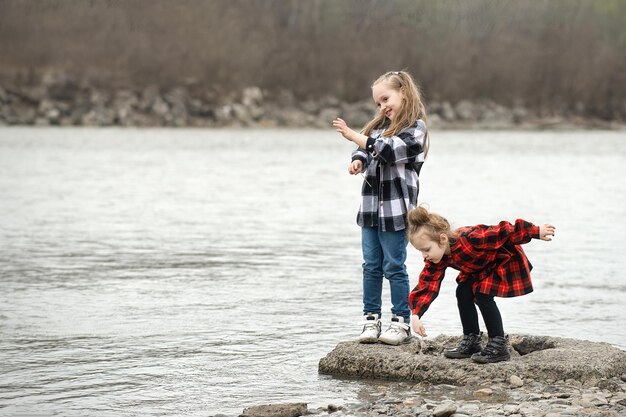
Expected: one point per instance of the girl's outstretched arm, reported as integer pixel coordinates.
(342, 127)
(427, 288)
(493, 237)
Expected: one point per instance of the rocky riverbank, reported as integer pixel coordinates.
(59, 99)
(546, 377)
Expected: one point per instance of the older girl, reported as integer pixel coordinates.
(491, 263)
(390, 150)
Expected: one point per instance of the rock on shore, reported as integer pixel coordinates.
(546, 358)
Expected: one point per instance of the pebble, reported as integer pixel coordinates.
(444, 410)
(511, 408)
(468, 408)
(516, 381)
(483, 392)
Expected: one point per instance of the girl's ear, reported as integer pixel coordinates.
(444, 238)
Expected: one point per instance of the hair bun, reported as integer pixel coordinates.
(418, 216)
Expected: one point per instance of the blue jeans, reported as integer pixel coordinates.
(384, 254)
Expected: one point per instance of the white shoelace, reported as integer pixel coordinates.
(368, 325)
(399, 329)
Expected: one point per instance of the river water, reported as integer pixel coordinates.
(191, 272)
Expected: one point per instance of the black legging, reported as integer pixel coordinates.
(488, 309)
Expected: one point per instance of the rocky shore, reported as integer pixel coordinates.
(546, 377)
(62, 100)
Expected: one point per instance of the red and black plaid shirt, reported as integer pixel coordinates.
(488, 255)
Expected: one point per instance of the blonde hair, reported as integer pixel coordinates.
(411, 110)
(432, 224)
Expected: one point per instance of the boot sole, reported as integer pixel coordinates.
(394, 343)
(458, 357)
(484, 361)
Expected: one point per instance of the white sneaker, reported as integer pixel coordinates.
(397, 332)
(371, 328)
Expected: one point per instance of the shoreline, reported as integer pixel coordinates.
(60, 100)
(500, 397)
(545, 377)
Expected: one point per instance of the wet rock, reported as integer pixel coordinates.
(468, 408)
(276, 410)
(483, 392)
(444, 410)
(545, 358)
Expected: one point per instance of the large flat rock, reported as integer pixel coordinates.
(537, 357)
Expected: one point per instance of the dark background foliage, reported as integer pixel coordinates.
(543, 54)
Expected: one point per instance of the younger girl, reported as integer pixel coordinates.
(391, 151)
(491, 263)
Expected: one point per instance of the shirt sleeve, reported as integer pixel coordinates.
(427, 288)
(406, 147)
(362, 155)
(493, 237)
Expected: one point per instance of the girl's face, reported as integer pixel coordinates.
(431, 250)
(388, 100)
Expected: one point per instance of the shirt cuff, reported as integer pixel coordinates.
(369, 144)
(536, 233)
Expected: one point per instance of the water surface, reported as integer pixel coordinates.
(192, 272)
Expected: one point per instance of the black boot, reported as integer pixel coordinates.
(469, 345)
(497, 350)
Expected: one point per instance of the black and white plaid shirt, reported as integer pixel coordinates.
(392, 166)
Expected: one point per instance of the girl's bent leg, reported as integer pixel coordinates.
(394, 268)
(372, 270)
(467, 309)
(491, 315)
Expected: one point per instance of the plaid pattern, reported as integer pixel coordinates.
(488, 255)
(392, 166)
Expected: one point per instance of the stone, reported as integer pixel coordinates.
(483, 392)
(276, 410)
(516, 381)
(444, 410)
(511, 408)
(468, 408)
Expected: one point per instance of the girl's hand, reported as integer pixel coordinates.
(545, 231)
(355, 167)
(417, 326)
(342, 127)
